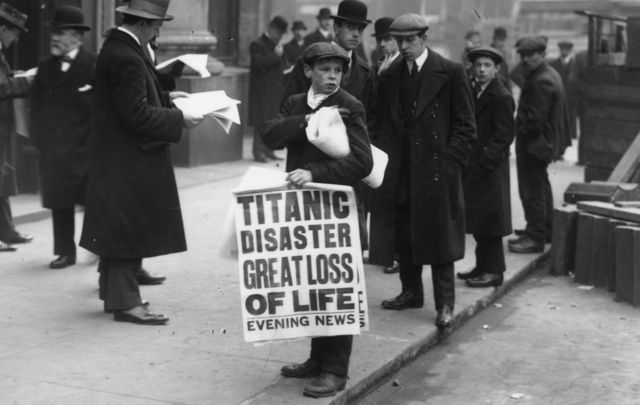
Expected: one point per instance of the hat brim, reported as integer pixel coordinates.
(142, 14)
(9, 20)
(407, 33)
(361, 22)
(79, 27)
(472, 56)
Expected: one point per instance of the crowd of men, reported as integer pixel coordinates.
(103, 127)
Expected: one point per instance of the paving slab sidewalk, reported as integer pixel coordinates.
(57, 346)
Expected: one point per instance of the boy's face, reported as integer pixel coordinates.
(485, 69)
(325, 75)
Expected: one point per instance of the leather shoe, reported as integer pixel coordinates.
(406, 299)
(140, 315)
(6, 248)
(62, 261)
(17, 239)
(304, 370)
(145, 278)
(526, 245)
(325, 385)
(394, 268)
(445, 317)
(475, 272)
(486, 280)
(144, 303)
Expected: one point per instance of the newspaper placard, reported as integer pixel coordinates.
(300, 262)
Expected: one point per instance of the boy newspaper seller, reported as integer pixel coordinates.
(324, 64)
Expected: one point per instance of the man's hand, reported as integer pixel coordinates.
(178, 94)
(299, 176)
(279, 49)
(191, 120)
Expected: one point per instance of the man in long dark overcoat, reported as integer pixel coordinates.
(12, 23)
(541, 132)
(425, 124)
(563, 64)
(62, 119)
(266, 82)
(132, 206)
(487, 193)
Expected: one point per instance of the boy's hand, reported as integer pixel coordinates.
(299, 176)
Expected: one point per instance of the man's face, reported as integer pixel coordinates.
(387, 45)
(564, 51)
(275, 34)
(532, 60)
(8, 35)
(412, 46)
(325, 23)
(63, 41)
(348, 35)
(474, 40)
(150, 30)
(298, 34)
(484, 69)
(325, 75)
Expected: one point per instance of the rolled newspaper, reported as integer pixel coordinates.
(327, 132)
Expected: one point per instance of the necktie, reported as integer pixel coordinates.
(414, 70)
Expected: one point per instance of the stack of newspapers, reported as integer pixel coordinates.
(212, 104)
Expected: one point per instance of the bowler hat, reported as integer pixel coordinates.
(531, 44)
(298, 25)
(381, 27)
(325, 50)
(408, 24)
(13, 17)
(352, 11)
(280, 23)
(484, 50)
(565, 44)
(68, 17)
(148, 9)
(324, 13)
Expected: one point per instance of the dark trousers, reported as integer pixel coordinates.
(411, 273)
(259, 148)
(489, 254)
(63, 231)
(332, 353)
(535, 194)
(7, 230)
(118, 284)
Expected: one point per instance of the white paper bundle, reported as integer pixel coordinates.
(380, 160)
(197, 62)
(326, 131)
(212, 104)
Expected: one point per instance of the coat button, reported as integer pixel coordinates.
(436, 177)
(435, 156)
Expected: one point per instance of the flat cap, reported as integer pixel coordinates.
(485, 50)
(324, 50)
(408, 24)
(532, 44)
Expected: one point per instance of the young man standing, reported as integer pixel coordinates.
(425, 124)
(487, 194)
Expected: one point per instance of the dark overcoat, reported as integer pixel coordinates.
(542, 122)
(564, 70)
(440, 148)
(292, 50)
(61, 125)
(487, 193)
(10, 88)
(266, 81)
(132, 206)
(288, 130)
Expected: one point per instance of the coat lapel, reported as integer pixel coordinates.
(393, 92)
(486, 97)
(434, 77)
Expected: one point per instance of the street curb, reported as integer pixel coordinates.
(360, 389)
